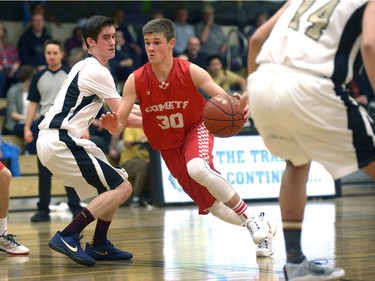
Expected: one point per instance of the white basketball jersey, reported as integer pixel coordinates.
(80, 98)
(322, 37)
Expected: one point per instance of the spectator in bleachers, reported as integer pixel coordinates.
(77, 54)
(260, 19)
(135, 49)
(135, 159)
(193, 52)
(9, 62)
(122, 65)
(44, 87)
(74, 41)
(38, 7)
(31, 43)
(157, 14)
(184, 31)
(211, 34)
(230, 81)
(17, 106)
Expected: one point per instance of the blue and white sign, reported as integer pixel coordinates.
(251, 169)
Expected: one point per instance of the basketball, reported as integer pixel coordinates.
(222, 117)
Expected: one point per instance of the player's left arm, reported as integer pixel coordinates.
(203, 80)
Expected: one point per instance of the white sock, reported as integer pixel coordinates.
(223, 212)
(3, 225)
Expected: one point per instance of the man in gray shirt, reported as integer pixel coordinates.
(43, 89)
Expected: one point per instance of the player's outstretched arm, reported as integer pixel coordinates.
(203, 80)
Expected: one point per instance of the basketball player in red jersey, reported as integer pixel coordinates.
(171, 106)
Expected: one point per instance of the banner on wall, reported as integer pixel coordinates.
(251, 169)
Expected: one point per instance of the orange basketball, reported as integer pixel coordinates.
(222, 117)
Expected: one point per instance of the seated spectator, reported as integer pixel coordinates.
(193, 52)
(74, 41)
(260, 19)
(135, 49)
(38, 7)
(157, 14)
(135, 159)
(77, 54)
(231, 82)
(9, 62)
(211, 34)
(17, 106)
(31, 43)
(184, 31)
(122, 65)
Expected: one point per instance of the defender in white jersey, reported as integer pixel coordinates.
(79, 162)
(303, 57)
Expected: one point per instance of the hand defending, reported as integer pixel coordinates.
(109, 121)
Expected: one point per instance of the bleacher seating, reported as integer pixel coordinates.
(3, 108)
(27, 184)
(16, 140)
(2, 121)
(28, 165)
(3, 103)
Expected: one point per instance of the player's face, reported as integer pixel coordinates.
(53, 56)
(157, 47)
(104, 48)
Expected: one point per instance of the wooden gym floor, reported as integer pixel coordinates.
(175, 243)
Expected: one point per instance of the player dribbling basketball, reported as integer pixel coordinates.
(171, 106)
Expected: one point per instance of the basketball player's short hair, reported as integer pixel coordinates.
(94, 25)
(162, 25)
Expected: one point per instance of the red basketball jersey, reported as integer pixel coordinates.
(170, 108)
